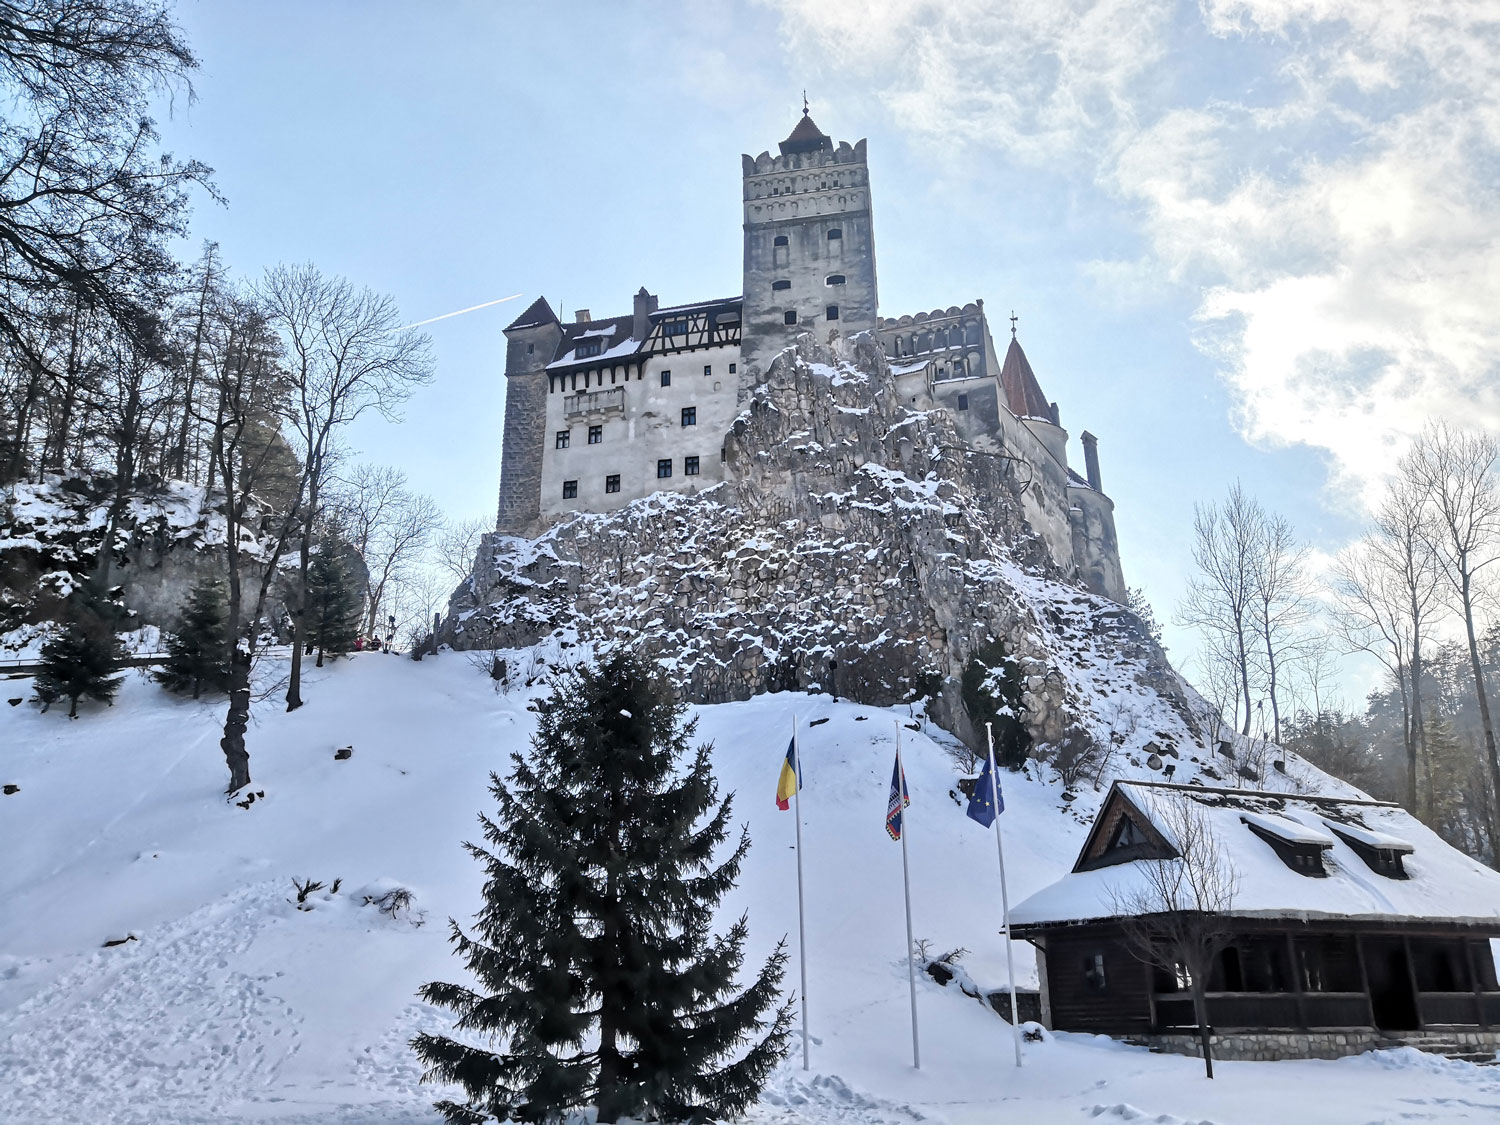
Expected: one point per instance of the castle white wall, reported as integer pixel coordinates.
(648, 429)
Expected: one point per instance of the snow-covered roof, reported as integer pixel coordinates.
(1442, 883)
(1284, 828)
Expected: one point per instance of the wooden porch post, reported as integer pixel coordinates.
(1291, 957)
(1411, 974)
(1364, 979)
(1474, 984)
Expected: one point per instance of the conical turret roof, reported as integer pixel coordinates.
(539, 313)
(806, 137)
(1023, 394)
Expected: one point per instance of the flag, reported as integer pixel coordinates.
(899, 800)
(791, 778)
(987, 800)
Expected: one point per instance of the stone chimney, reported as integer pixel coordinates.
(582, 316)
(645, 305)
(1091, 460)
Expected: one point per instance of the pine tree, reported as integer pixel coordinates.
(334, 605)
(198, 651)
(81, 660)
(597, 926)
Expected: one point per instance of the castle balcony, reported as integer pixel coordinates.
(607, 401)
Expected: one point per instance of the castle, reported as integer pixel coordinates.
(600, 412)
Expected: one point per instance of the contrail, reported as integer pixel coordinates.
(460, 312)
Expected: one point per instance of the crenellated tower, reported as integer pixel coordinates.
(809, 245)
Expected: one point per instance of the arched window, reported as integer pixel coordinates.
(779, 240)
(834, 279)
(940, 338)
(777, 286)
(832, 312)
(834, 233)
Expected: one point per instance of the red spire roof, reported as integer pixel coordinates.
(1023, 394)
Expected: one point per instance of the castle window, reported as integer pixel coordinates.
(779, 240)
(834, 279)
(834, 233)
(733, 367)
(596, 434)
(588, 348)
(789, 317)
(689, 415)
(666, 378)
(563, 436)
(690, 466)
(963, 402)
(832, 312)
(675, 328)
(612, 483)
(708, 369)
(530, 348)
(570, 490)
(664, 468)
(777, 286)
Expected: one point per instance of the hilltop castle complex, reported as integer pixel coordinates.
(600, 412)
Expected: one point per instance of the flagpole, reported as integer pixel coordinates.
(911, 970)
(1010, 964)
(801, 924)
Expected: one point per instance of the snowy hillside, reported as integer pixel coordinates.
(231, 1005)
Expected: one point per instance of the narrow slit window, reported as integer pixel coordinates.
(666, 378)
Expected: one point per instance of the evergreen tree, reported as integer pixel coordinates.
(334, 604)
(594, 953)
(81, 661)
(199, 650)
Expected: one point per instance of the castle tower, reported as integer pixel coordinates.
(809, 245)
(530, 342)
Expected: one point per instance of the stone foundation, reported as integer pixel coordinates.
(1272, 1046)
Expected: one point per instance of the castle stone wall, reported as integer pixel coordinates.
(803, 198)
(527, 353)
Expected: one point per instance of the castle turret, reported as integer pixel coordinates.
(809, 245)
(530, 343)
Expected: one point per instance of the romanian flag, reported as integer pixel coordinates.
(899, 800)
(791, 779)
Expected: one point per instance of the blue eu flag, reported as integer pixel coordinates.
(987, 800)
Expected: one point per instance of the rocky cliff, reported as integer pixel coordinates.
(857, 548)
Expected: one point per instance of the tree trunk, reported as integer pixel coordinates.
(1424, 765)
(237, 720)
(1409, 741)
(299, 622)
(1244, 659)
(1200, 1012)
(1482, 697)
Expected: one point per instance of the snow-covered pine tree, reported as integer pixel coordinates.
(199, 650)
(594, 952)
(334, 605)
(82, 660)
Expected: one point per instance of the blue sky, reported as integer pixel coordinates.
(1246, 239)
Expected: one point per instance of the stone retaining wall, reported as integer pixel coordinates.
(1271, 1046)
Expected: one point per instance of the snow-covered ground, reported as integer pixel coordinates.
(231, 1005)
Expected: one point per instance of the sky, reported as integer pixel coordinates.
(1247, 240)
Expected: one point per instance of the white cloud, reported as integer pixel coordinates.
(1328, 181)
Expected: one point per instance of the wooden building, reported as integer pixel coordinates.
(1348, 914)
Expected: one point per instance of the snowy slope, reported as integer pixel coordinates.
(234, 1006)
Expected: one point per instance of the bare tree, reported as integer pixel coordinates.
(388, 524)
(263, 489)
(1282, 605)
(346, 354)
(1175, 917)
(1222, 598)
(458, 543)
(1371, 617)
(1455, 470)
